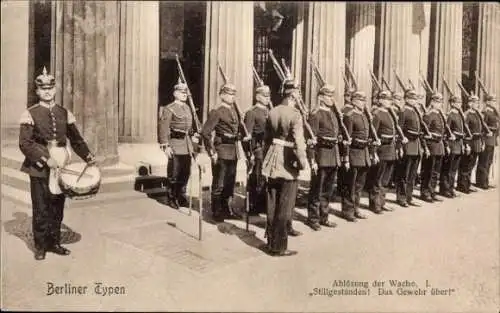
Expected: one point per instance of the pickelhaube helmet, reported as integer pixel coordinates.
(397, 96)
(473, 98)
(290, 86)
(327, 90)
(491, 97)
(411, 94)
(359, 95)
(385, 94)
(229, 89)
(263, 90)
(44, 80)
(180, 86)
(437, 97)
(455, 99)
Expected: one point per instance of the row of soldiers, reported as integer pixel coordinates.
(353, 150)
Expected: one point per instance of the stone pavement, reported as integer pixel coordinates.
(153, 252)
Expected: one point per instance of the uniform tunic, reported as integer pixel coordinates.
(285, 155)
(255, 122)
(485, 159)
(467, 162)
(325, 127)
(39, 125)
(450, 162)
(354, 179)
(174, 128)
(431, 166)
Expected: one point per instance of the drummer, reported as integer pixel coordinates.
(44, 125)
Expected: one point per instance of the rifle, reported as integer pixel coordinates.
(321, 81)
(372, 132)
(483, 123)
(197, 125)
(426, 84)
(259, 82)
(386, 84)
(283, 76)
(389, 109)
(459, 109)
(485, 91)
(411, 84)
(346, 81)
(400, 82)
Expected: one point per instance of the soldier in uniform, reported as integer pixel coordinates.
(492, 120)
(357, 125)
(431, 166)
(467, 162)
(255, 121)
(285, 156)
(457, 148)
(341, 170)
(42, 126)
(409, 122)
(380, 173)
(175, 128)
(325, 159)
(397, 100)
(223, 151)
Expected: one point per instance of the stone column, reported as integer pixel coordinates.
(86, 69)
(139, 62)
(446, 47)
(326, 47)
(394, 43)
(488, 47)
(361, 43)
(14, 57)
(297, 64)
(229, 41)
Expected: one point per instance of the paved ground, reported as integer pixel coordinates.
(152, 251)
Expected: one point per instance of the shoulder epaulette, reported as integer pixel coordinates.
(349, 113)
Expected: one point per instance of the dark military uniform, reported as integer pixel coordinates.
(175, 127)
(285, 156)
(450, 162)
(255, 122)
(485, 159)
(407, 168)
(431, 165)
(357, 125)
(380, 174)
(342, 170)
(467, 162)
(224, 121)
(326, 154)
(42, 125)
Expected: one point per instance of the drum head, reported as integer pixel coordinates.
(88, 184)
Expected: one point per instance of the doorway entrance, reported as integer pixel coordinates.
(182, 33)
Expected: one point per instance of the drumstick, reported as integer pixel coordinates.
(83, 171)
(68, 171)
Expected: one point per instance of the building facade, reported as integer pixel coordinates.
(115, 61)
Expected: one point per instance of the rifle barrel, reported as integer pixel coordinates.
(190, 96)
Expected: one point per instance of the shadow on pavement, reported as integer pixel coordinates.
(248, 238)
(21, 227)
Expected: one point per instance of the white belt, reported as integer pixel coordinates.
(283, 143)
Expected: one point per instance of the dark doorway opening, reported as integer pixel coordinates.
(182, 32)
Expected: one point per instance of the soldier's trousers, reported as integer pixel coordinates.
(483, 166)
(379, 176)
(449, 170)
(223, 180)
(178, 170)
(431, 170)
(406, 173)
(280, 198)
(256, 189)
(321, 192)
(47, 213)
(354, 181)
(465, 167)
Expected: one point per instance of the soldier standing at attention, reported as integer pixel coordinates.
(255, 121)
(285, 156)
(175, 126)
(467, 162)
(406, 171)
(325, 159)
(458, 147)
(46, 125)
(492, 119)
(357, 125)
(341, 170)
(397, 100)
(380, 174)
(431, 166)
(224, 152)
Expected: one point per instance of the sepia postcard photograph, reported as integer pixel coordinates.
(250, 156)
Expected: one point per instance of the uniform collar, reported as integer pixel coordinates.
(324, 108)
(179, 102)
(226, 105)
(48, 106)
(260, 105)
